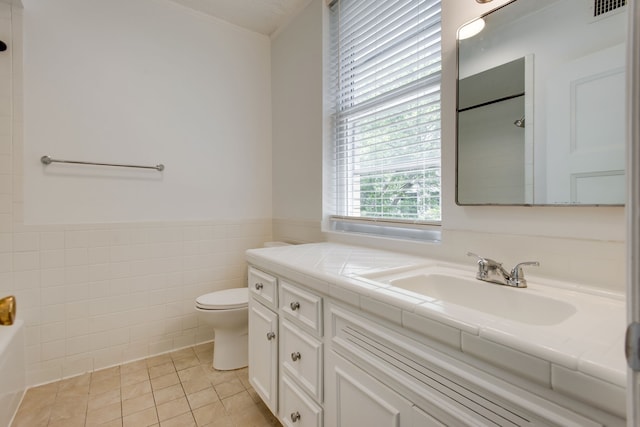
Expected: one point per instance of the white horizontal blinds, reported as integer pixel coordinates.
(386, 62)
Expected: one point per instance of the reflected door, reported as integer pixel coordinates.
(586, 130)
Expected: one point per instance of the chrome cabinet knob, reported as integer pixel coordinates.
(294, 305)
(295, 356)
(295, 416)
(258, 286)
(271, 335)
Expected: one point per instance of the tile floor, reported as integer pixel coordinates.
(174, 389)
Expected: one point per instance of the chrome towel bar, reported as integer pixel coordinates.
(46, 160)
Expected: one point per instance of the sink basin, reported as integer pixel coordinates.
(525, 305)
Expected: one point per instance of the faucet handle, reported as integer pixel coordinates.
(517, 275)
(488, 262)
(485, 265)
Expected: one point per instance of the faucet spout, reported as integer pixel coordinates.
(492, 271)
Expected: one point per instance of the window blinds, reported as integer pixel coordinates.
(385, 65)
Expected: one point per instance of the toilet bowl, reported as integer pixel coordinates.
(227, 312)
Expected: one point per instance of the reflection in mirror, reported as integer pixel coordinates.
(541, 106)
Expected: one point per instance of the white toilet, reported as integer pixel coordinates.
(227, 312)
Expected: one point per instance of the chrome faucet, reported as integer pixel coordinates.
(493, 271)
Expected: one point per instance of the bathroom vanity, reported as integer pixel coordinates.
(342, 336)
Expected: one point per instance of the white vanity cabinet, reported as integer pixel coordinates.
(330, 363)
(286, 349)
(263, 337)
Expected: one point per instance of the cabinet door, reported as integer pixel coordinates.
(353, 398)
(263, 353)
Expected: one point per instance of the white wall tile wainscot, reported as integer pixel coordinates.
(96, 296)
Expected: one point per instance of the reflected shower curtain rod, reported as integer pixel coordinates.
(47, 160)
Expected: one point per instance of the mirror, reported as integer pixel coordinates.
(541, 106)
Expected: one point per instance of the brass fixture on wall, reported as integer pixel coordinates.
(7, 310)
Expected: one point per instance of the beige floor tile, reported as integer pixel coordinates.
(173, 408)
(229, 388)
(209, 413)
(130, 367)
(75, 385)
(243, 375)
(168, 394)
(164, 381)
(254, 395)
(97, 401)
(104, 374)
(77, 421)
(202, 398)
(238, 403)
(133, 390)
(196, 384)
(205, 358)
(184, 420)
(126, 396)
(134, 377)
(105, 414)
(203, 346)
(160, 370)
(137, 404)
(225, 421)
(186, 362)
(37, 401)
(251, 417)
(32, 417)
(182, 353)
(190, 373)
(69, 407)
(158, 360)
(144, 418)
(217, 377)
(45, 389)
(114, 423)
(104, 385)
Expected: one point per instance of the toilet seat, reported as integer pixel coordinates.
(226, 299)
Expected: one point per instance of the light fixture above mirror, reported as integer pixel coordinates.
(471, 29)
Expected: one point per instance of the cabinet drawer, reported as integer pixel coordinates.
(264, 287)
(301, 358)
(296, 408)
(302, 306)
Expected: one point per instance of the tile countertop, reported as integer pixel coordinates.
(589, 343)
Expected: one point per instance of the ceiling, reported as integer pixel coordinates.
(260, 16)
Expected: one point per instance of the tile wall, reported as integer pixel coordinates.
(96, 295)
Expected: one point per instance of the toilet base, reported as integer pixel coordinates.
(230, 350)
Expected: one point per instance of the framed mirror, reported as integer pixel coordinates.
(541, 105)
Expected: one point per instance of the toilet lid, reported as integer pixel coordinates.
(224, 300)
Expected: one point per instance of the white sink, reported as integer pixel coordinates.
(449, 286)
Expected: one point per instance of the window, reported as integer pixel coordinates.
(385, 65)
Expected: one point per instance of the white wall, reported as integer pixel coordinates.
(582, 244)
(297, 117)
(144, 82)
(113, 284)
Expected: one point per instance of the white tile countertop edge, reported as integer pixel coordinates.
(588, 343)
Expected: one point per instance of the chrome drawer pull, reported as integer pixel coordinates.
(295, 416)
(294, 305)
(259, 286)
(271, 335)
(295, 356)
